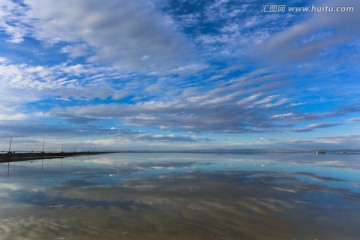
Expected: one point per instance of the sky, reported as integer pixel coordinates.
(179, 74)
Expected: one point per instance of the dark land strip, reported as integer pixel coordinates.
(17, 157)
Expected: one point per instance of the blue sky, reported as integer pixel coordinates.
(184, 74)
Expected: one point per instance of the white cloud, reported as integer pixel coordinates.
(330, 142)
(191, 68)
(10, 116)
(21, 84)
(266, 100)
(306, 40)
(76, 50)
(16, 29)
(117, 32)
(353, 120)
(312, 127)
(232, 106)
(282, 116)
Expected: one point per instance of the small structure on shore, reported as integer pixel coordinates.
(319, 152)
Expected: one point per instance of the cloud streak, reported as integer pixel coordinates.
(313, 127)
(232, 107)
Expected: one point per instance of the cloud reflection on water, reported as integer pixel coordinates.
(168, 200)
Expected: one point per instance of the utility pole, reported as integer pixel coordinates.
(9, 157)
(74, 152)
(42, 158)
(10, 145)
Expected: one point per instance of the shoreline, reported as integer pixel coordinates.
(24, 156)
(18, 157)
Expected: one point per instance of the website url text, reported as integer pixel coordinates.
(270, 8)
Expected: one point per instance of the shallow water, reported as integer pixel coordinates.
(182, 196)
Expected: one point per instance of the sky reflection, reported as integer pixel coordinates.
(181, 196)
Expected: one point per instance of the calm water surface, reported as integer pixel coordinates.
(182, 196)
